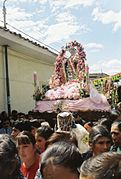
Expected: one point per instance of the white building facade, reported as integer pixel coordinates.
(24, 57)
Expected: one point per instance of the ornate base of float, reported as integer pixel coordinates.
(86, 107)
(85, 104)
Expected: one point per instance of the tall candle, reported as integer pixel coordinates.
(35, 79)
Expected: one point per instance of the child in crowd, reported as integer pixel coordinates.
(27, 152)
(42, 135)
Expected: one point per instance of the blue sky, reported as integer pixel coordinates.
(96, 24)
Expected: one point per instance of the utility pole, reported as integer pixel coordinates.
(6, 62)
(4, 14)
(7, 80)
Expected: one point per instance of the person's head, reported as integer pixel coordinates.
(19, 126)
(8, 159)
(103, 166)
(6, 123)
(35, 124)
(76, 116)
(16, 129)
(99, 139)
(3, 115)
(25, 143)
(61, 160)
(106, 123)
(42, 135)
(26, 125)
(116, 133)
(30, 115)
(61, 136)
(118, 106)
(14, 114)
(20, 116)
(114, 114)
(45, 123)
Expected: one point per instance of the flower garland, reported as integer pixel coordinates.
(67, 69)
(59, 75)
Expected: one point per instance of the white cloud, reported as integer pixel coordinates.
(56, 4)
(40, 1)
(72, 3)
(65, 27)
(60, 31)
(84, 28)
(109, 17)
(14, 14)
(109, 66)
(65, 17)
(71, 20)
(93, 46)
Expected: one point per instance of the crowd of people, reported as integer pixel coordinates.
(69, 148)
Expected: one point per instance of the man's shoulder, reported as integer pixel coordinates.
(87, 155)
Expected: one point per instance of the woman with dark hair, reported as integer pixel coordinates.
(42, 135)
(116, 136)
(9, 163)
(27, 152)
(61, 136)
(61, 161)
(106, 123)
(104, 166)
(99, 141)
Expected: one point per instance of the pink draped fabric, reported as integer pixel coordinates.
(84, 104)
